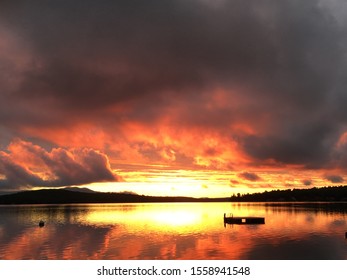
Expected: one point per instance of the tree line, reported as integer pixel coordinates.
(328, 193)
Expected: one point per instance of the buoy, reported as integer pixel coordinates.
(41, 223)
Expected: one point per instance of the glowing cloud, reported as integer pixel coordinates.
(27, 164)
(189, 85)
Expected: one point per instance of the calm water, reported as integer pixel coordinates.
(173, 231)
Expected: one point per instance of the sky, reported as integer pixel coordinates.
(204, 98)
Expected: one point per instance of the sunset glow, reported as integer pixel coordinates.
(187, 98)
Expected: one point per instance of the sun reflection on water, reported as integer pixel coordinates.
(170, 231)
(152, 217)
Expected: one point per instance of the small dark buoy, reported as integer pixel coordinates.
(41, 223)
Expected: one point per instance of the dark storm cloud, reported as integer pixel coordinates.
(282, 64)
(307, 182)
(334, 178)
(249, 176)
(297, 142)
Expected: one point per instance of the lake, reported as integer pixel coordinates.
(173, 231)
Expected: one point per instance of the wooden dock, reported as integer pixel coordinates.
(243, 220)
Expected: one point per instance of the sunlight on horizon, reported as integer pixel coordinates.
(184, 188)
(208, 183)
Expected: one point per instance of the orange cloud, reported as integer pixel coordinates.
(27, 164)
(223, 99)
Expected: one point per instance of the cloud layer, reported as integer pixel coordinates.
(197, 83)
(28, 165)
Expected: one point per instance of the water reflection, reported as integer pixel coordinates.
(172, 231)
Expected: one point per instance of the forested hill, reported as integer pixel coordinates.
(62, 196)
(313, 194)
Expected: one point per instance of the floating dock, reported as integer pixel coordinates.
(243, 220)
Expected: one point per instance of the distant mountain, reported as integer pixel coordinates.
(77, 189)
(4, 193)
(64, 196)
